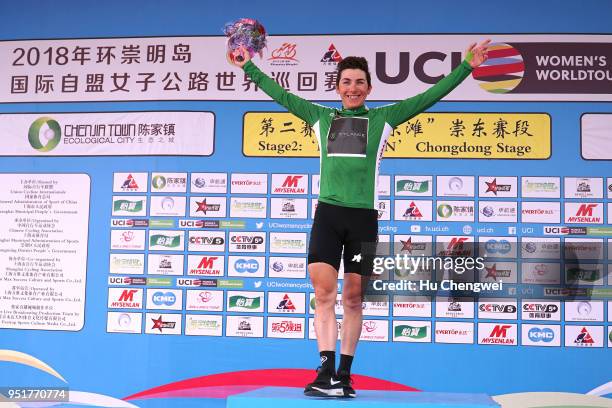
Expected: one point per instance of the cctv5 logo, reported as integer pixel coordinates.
(244, 239)
(542, 308)
(207, 240)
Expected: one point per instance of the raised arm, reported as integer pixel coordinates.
(305, 110)
(406, 109)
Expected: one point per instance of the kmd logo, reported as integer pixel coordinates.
(164, 298)
(246, 265)
(494, 246)
(544, 335)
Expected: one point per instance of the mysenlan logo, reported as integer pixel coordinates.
(410, 331)
(44, 134)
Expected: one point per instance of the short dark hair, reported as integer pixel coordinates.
(353, 63)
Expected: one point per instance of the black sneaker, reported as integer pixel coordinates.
(347, 384)
(325, 385)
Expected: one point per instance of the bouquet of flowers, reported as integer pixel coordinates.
(247, 33)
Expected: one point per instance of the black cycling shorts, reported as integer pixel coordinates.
(353, 229)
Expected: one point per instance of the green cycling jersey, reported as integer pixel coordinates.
(352, 141)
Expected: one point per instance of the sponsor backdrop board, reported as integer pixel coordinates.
(156, 206)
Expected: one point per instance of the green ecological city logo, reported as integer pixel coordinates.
(232, 224)
(445, 210)
(159, 282)
(127, 205)
(165, 241)
(230, 283)
(244, 302)
(410, 331)
(158, 182)
(599, 230)
(412, 186)
(44, 134)
(161, 223)
(205, 324)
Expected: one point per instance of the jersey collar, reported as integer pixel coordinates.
(360, 111)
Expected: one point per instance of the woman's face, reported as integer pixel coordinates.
(353, 88)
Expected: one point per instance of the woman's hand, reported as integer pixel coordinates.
(479, 53)
(239, 56)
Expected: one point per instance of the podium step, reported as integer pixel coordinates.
(285, 397)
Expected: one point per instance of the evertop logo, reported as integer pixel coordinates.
(44, 134)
